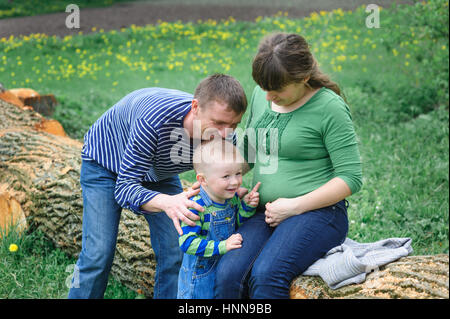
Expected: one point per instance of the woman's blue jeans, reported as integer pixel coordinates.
(270, 258)
(101, 215)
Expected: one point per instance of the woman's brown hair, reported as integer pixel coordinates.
(285, 58)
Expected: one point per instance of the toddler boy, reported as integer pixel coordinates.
(218, 166)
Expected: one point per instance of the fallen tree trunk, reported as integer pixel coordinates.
(41, 171)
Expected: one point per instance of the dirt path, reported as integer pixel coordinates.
(141, 13)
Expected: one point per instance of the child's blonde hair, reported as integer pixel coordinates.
(213, 151)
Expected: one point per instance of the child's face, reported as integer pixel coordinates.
(222, 180)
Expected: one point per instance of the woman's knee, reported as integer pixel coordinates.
(263, 270)
(267, 281)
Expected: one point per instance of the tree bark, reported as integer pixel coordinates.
(41, 171)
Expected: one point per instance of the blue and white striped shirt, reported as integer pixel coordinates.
(141, 138)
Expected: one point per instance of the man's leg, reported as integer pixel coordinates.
(101, 215)
(164, 240)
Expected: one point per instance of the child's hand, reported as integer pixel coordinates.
(252, 198)
(233, 242)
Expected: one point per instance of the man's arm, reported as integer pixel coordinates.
(137, 161)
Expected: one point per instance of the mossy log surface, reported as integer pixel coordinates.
(41, 171)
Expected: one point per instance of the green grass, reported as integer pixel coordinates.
(395, 79)
(405, 192)
(39, 270)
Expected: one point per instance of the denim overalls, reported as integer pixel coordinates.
(197, 273)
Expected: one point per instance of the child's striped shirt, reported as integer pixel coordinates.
(193, 241)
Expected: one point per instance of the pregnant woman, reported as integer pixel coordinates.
(303, 210)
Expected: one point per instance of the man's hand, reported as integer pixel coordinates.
(194, 186)
(234, 242)
(252, 198)
(176, 207)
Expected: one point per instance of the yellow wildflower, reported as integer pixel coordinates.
(13, 248)
(314, 16)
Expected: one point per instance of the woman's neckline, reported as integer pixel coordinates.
(313, 97)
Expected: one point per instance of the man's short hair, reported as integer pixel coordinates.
(221, 88)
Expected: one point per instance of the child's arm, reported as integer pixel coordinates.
(248, 205)
(191, 243)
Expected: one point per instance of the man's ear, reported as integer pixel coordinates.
(195, 107)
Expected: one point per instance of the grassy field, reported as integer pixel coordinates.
(395, 79)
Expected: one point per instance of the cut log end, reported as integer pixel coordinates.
(51, 127)
(11, 215)
(412, 277)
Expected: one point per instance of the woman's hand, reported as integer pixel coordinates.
(279, 210)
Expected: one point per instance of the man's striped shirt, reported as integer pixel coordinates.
(194, 239)
(141, 138)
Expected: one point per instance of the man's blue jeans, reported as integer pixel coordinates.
(101, 215)
(270, 258)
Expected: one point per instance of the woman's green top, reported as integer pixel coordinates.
(299, 151)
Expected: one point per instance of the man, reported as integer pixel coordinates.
(130, 160)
